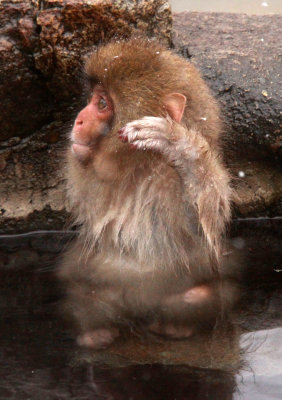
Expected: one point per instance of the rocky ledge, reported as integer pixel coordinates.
(43, 44)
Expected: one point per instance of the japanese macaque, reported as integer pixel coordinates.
(151, 196)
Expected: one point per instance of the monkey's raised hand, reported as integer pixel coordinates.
(204, 179)
(164, 136)
(148, 133)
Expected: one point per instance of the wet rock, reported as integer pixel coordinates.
(26, 102)
(258, 186)
(32, 185)
(239, 57)
(69, 30)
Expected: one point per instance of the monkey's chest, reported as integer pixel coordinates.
(147, 220)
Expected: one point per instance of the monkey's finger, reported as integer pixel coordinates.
(156, 123)
(145, 134)
(151, 144)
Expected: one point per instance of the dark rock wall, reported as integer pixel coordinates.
(240, 58)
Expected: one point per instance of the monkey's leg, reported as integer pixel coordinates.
(95, 314)
(98, 339)
(182, 311)
(195, 310)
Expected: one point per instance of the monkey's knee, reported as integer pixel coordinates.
(195, 295)
(98, 339)
(218, 295)
(195, 310)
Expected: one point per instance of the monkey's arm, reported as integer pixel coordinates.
(206, 183)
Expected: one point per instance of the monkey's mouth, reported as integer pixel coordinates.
(81, 151)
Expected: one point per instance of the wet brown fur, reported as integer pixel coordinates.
(145, 231)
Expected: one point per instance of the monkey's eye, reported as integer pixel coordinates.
(102, 104)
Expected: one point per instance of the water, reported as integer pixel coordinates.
(257, 7)
(39, 358)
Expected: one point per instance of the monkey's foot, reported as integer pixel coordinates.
(98, 339)
(171, 331)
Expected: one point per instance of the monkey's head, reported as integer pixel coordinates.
(137, 78)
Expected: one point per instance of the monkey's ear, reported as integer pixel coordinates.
(174, 104)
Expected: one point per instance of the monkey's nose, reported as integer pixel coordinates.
(78, 122)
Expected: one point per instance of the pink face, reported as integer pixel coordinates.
(92, 123)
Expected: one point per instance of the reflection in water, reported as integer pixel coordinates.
(40, 360)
